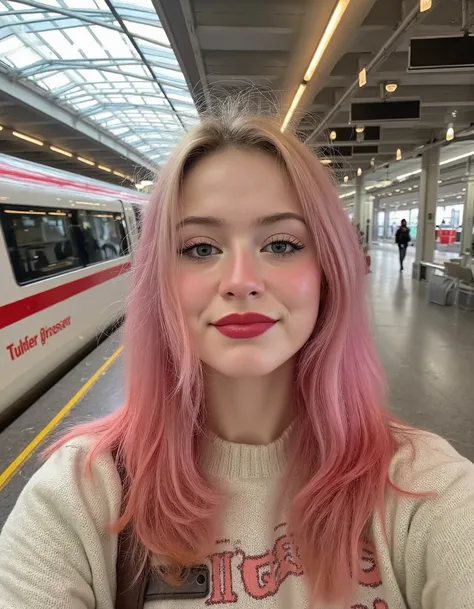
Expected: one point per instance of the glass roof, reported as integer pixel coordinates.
(109, 61)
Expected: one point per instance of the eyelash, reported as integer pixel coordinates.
(297, 246)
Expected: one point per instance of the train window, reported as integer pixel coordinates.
(104, 235)
(138, 217)
(39, 242)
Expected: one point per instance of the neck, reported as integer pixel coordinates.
(252, 410)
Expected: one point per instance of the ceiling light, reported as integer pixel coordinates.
(333, 135)
(464, 190)
(86, 161)
(1, 128)
(399, 155)
(27, 138)
(292, 108)
(346, 179)
(425, 5)
(107, 169)
(440, 181)
(391, 87)
(359, 172)
(117, 173)
(326, 161)
(326, 37)
(360, 129)
(363, 77)
(450, 133)
(61, 151)
(348, 194)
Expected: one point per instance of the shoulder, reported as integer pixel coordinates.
(56, 547)
(68, 483)
(435, 481)
(431, 523)
(425, 462)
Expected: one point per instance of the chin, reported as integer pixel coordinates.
(245, 364)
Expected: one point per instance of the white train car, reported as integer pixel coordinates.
(65, 248)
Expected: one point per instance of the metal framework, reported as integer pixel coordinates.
(107, 60)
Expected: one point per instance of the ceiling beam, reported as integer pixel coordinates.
(177, 19)
(31, 98)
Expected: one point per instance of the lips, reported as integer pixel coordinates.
(244, 319)
(244, 325)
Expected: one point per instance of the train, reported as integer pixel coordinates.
(66, 244)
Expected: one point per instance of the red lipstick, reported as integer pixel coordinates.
(244, 325)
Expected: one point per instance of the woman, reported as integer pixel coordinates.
(254, 437)
(402, 239)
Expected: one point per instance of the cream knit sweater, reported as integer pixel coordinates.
(55, 552)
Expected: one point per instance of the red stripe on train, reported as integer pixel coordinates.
(15, 173)
(20, 309)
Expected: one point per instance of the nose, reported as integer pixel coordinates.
(241, 277)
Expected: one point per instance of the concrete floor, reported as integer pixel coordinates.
(427, 351)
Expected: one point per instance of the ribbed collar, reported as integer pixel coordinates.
(224, 459)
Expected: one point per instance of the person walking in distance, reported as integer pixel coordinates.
(402, 239)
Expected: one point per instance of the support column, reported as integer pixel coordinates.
(425, 241)
(386, 225)
(468, 213)
(359, 201)
(375, 222)
(368, 219)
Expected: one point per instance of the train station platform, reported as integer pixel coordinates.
(427, 351)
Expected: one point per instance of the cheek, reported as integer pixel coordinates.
(302, 285)
(192, 290)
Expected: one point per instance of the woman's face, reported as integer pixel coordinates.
(245, 249)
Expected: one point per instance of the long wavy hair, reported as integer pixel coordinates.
(344, 436)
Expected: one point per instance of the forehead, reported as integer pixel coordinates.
(236, 185)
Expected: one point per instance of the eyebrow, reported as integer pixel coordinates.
(218, 222)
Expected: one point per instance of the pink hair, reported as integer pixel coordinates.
(344, 435)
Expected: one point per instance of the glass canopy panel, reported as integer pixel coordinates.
(108, 60)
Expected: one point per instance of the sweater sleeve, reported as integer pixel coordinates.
(55, 550)
(439, 550)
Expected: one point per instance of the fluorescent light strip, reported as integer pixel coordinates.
(107, 169)
(15, 211)
(117, 173)
(86, 161)
(457, 158)
(347, 195)
(294, 103)
(322, 46)
(61, 151)
(1, 128)
(326, 37)
(27, 138)
(404, 176)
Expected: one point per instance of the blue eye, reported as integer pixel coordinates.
(283, 247)
(199, 251)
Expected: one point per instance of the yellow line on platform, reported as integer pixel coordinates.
(15, 465)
